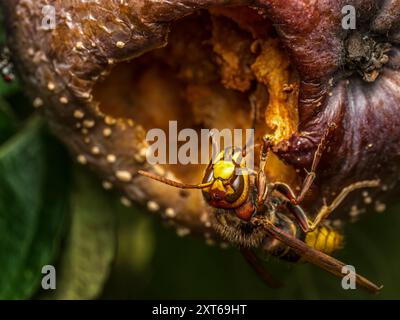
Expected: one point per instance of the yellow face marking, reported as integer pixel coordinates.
(218, 185)
(223, 170)
(229, 190)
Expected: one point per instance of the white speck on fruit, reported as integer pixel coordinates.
(123, 175)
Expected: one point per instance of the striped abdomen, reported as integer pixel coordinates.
(324, 239)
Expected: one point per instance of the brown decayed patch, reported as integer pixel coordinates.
(215, 65)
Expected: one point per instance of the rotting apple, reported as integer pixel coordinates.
(110, 70)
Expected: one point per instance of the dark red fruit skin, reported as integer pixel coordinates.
(365, 144)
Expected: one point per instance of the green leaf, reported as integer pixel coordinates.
(91, 246)
(8, 122)
(9, 88)
(33, 206)
(188, 269)
(135, 253)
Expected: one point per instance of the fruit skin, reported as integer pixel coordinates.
(366, 142)
(59, 69)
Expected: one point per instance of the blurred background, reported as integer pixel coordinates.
(52, 212)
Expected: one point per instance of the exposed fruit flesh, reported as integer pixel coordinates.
(222, 68)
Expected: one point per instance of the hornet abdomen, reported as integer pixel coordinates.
(324, 239)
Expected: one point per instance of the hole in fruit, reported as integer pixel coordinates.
(222, 68)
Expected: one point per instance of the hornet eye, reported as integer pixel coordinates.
(238, 186)
(208, 177)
